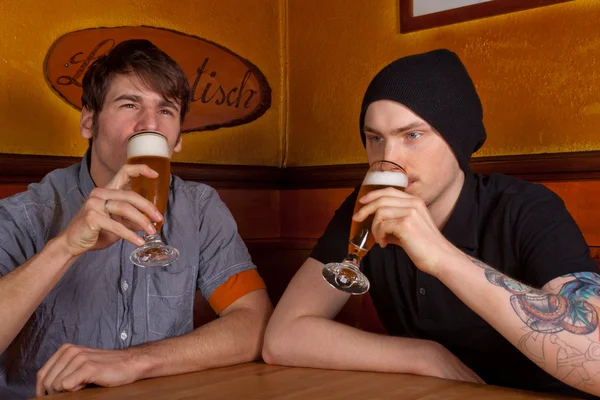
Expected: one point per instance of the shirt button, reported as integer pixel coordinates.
(123, 335)
(125, 286)
(423, 291)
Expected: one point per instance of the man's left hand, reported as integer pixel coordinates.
(404, 220)
(72, 367)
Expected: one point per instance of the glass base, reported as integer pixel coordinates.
(154, 254)
(345, 276)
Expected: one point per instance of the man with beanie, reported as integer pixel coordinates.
(475, 278)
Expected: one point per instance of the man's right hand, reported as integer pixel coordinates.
(112, 213)
(440, 362)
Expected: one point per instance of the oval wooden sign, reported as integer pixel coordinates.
(227, 90)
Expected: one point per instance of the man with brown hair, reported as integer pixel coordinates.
(75, 310)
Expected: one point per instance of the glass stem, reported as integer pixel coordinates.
(354, 259)
(152, 238)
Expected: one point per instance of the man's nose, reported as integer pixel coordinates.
(147, 121)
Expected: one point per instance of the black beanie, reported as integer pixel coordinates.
(436, 87)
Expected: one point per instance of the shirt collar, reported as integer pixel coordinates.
(462, 226)
(85, 179)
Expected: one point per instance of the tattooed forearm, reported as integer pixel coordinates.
(545, 312)
(502, 280)
(566, 362)
(548, 315)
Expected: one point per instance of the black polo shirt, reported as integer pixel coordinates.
(521, 229)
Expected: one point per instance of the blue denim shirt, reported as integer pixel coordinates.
(104, 301)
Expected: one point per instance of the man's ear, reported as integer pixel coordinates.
(178, 145)
(86, 123)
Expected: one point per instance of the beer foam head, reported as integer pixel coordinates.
(148, 144)
(386, 178)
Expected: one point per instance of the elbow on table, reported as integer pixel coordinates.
(274, 345)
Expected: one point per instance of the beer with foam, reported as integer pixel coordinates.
(152, 149)
(361, 239)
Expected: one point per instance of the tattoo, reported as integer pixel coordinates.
(567, 363)
(547, 314)
(584, 286)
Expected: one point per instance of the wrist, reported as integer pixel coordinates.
(426, 357)
(59, 250)
(451, 260)
(140, 362)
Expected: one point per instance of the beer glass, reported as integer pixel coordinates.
(346, 275)
(151, 148)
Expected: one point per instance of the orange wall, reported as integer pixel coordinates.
(537, 72)
(34, 120)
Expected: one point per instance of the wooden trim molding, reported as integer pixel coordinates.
(230, 176)
(18, 169)
(322, 177)
(24, 169)
(410, 23)
(575, 166)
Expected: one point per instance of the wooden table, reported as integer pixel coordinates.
(260, 381)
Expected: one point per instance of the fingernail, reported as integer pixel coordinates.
(151, 228)
(140, 241)
(158, 215)
(154, 172)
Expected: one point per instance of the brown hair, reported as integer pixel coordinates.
(152, 66)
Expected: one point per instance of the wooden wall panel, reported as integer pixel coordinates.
(583, 202)
(9, 190)
(306, 212)
(256, 211)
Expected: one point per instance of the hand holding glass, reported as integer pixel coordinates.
(151, 148)
(346, 275)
